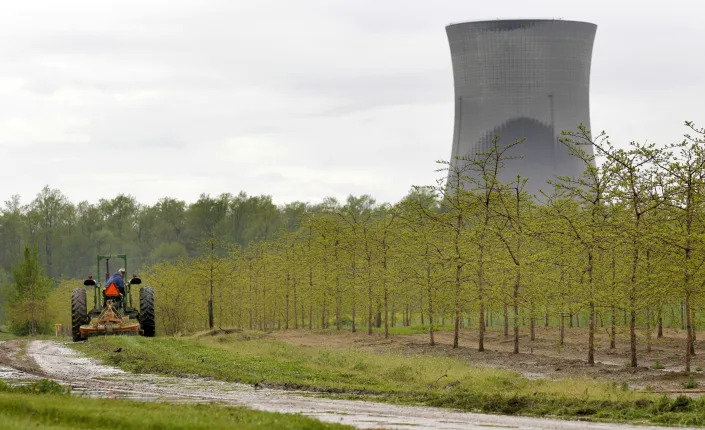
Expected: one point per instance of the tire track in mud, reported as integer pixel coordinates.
(88, 377)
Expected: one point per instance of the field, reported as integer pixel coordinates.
(404, 369)
(660, 369)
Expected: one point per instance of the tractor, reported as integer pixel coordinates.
(113, 311)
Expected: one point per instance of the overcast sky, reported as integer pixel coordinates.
(296, 99)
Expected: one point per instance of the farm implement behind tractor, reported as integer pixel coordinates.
(113, 311)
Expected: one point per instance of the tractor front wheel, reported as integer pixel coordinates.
(79, 312)
(147, 311)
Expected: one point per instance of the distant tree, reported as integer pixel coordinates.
(27, 304)
(49, 209)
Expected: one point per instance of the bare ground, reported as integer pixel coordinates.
(541, 358)
(87, 377)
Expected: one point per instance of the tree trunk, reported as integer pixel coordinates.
(429, 288)
(516, 311)
(632, 338)
(688, 334)
(613, 332)
(296, 313)
(591, 335)
(369, 295)
(352, 288)
(481, 298)
(648, 329)
(456, 329)
(692, 329)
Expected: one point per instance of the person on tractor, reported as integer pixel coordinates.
(117, 279)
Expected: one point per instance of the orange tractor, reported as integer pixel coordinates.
(113, 311)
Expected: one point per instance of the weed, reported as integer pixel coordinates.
(680, 404)
(657, 365)
(360, 365)
(44, 386)
(400, 373)
(690, 383)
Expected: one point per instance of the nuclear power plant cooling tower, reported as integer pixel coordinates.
(522, 79)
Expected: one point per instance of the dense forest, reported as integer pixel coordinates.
(621, 246)
(69, 236)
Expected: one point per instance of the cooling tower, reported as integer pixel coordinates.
(522, 79)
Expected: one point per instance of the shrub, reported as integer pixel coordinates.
(690, 383)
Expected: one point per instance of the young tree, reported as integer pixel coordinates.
(484, 169)
(579, 204)
(27, 304)
(637, 187)
(686, 192)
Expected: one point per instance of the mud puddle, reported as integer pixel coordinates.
(90, 378)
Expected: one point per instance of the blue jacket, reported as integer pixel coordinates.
(118, 281)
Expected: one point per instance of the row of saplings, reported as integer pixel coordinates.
(113, 311)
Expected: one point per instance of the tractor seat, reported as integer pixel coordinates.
(112, 291)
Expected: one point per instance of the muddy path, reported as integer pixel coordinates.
(21, 361)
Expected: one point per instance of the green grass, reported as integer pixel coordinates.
(7, 336)
(426, 380)
(36, 407)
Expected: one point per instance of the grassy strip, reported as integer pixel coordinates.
(39, 406)
(434, 381)
(6, 336)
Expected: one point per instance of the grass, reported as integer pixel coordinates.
(427, 380)
(657, 365)
(690, 383)
(45, 405)
(7, 336)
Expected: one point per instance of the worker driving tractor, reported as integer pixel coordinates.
(118, 279)
(112, 310)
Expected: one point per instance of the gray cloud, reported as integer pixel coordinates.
(301, 100)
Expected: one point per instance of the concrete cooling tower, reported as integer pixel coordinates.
(522, 79)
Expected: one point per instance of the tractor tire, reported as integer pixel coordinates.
(79, 313)
(147, 311)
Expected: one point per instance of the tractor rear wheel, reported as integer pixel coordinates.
(79, 312)
(147, 311)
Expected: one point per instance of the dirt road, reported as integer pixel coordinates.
(55, 361)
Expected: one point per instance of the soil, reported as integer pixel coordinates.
(541, 358)
(85, 376)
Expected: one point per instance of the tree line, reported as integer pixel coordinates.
(68, 236)
(622, 245)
